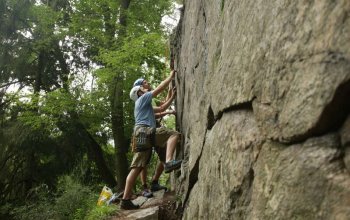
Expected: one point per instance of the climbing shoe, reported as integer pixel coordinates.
(146, 193)
(128, 205)
(157, 187)
(172, 165)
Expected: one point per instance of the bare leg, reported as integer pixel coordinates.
(144, 176)
(155, 180)
(130, 181)
(158, 172)
(146, 192)
(171, 146)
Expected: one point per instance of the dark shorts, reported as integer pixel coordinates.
(142, 159)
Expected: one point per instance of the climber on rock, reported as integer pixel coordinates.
(146, 136)
(155, 186)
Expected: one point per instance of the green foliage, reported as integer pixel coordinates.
(75, 199)
(145, 16)
(55, 106)
(12, 18)
(101, 212)
(89, 22)
(138, 54)
(35, 29)
(38, 206)
(46, 115)
(26, 154)
(72, 200)
(169, 122)
(42, 23)
(49, 48)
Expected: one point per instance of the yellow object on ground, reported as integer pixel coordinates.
(106, 193)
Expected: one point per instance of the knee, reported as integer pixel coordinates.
(175, 137)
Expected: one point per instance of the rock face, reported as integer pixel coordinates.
(263, 104)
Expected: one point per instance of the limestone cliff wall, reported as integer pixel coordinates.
(263, 104)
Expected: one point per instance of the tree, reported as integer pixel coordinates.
(33, 56)
(126, 39)
(49, 48)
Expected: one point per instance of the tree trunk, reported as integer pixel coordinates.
(31, 166)
(119, 135)
(118, 109)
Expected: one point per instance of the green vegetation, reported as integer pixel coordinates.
(222, 5)
(66, 68)
(72, 200)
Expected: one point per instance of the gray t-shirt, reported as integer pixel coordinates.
(144, 114)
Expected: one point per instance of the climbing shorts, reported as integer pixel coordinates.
(162, 136)
(142, 159)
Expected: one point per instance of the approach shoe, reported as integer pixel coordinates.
(172, 165)
(157, 187)
(127, 204)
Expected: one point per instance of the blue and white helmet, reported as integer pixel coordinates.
(133, 93)
(138, 82)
